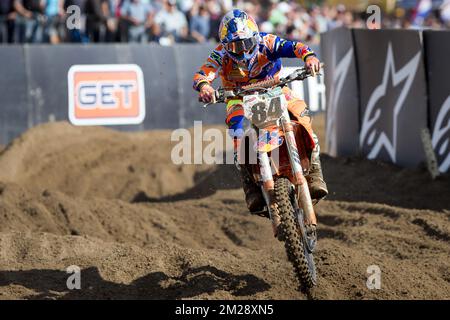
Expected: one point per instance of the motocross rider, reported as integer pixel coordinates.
(246, 55)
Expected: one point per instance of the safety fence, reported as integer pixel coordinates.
(34, 88)
(383, 88)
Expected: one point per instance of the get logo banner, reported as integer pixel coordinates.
(106, 94)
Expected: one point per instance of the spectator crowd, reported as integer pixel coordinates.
(170, 21)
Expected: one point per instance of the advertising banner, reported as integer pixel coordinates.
(393, 98)
(437, 52)
(106, 94)
(342, 92)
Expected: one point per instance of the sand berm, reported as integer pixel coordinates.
(140, 227)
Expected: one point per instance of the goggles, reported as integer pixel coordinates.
(240, 46)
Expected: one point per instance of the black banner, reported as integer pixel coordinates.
(392, 95)
(14, 113)
(47, 69)
(437, 53)
(342, 92)
(217, 309)
(187, 60)
(160, 78)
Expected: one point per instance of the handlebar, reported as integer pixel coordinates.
(221, 94)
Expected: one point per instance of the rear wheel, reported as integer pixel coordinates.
(290, 232)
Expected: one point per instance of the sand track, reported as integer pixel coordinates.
(143, 228)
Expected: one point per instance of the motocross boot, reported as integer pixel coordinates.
(317, 186)
(253, 195)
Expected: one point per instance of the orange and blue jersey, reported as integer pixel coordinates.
(266, 64)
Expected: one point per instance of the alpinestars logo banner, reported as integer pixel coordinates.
(339, 76)
(374, 137)
(441, 136)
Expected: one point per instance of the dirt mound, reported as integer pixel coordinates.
(96, 162)
(140, 227)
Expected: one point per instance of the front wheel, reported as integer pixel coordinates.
(290, 233)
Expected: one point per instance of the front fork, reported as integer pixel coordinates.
(268, 187)
(304, 198)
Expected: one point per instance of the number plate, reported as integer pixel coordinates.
(265, 109)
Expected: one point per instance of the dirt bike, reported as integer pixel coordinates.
(282, 177)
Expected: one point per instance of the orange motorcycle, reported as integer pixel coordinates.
(281, 152)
